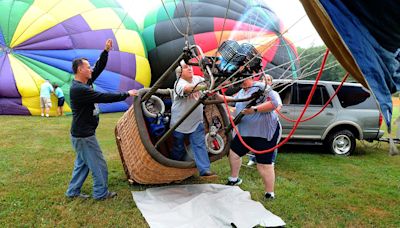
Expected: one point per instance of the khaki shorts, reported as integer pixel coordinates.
(45, 102)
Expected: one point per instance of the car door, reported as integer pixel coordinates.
(287, 94)
(315, 127)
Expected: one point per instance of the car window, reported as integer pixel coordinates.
(319, 98)
(355, 97)
(285, 92)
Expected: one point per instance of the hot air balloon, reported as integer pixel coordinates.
(39, 39)
(202, 22)
(167, 31)
(365, 38)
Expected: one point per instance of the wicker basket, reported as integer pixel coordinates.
(142, 162)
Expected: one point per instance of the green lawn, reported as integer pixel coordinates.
(313, 187)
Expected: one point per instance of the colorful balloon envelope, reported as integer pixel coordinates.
(40, 38)
(202, 22)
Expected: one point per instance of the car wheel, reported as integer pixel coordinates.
(341, 142)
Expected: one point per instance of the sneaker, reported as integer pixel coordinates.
(250, 163)
(233, 183)
(268, 196)
(109, 195)
(42, 114)
(80, 196)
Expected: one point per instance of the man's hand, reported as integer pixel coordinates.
(201, 87)
(109, 45)
(248, 111)
(219, 97)
(133, 92)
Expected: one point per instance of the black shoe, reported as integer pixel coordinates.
(80, 196)
(268, 196)
(109, 195)
(233, 183)
(208, 174)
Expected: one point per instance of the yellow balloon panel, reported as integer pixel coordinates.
(44, 14)
(130, 41)
(143, 71)
(103, 18)
(27, 81)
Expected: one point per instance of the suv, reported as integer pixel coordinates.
(352, 114)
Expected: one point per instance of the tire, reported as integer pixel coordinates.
(220, 141)
(157, 102)
(341, 142)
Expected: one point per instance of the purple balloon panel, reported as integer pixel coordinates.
(7, 82)
(12, 106)
(122, 62)
(71, 26)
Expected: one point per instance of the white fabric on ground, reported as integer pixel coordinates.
(202, 205)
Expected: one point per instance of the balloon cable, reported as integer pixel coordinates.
(297, 122)
(322, 109)
(173, 23)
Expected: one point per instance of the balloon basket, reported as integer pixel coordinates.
(145, 164)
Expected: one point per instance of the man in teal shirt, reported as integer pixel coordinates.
(45, 102)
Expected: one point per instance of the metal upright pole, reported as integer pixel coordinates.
(159, 82)
(169, 132)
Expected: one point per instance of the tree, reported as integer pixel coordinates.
(309, 70)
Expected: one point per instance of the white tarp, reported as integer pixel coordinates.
(202, 205)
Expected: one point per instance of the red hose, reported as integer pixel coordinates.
(297, 122)
(322, 109)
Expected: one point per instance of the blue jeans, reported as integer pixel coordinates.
(198, 146)
(88, 157)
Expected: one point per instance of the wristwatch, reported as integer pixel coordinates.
(255, 110)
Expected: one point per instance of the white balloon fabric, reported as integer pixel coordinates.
(202, 205)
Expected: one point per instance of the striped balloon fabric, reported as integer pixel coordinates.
(40, 38)
(203, 22)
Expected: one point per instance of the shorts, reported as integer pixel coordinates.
(61, 101)
(45, 102)
(257, 143)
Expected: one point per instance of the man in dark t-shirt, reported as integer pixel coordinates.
(85, 119)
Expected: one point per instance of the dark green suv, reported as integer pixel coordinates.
(352, 114)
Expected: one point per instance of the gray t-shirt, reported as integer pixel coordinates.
(182, 103)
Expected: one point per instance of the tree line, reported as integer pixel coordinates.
(308, 55)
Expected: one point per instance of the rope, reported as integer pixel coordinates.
(173, 23)
(189, 27)
(297, 122)
(222, 32)
(322, 109)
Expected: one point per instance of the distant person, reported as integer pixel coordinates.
(267, 79)
(60, 96)
(85, 119)
(186, 93)
(45, 97)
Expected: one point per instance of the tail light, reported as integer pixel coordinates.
(380, 119)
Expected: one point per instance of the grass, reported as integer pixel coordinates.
(313, 188)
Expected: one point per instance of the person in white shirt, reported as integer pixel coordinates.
(186, 93)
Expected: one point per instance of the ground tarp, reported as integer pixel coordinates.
(202, 205)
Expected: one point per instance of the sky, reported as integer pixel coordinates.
(291, 12)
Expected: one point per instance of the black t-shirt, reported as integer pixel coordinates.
(84, 99)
